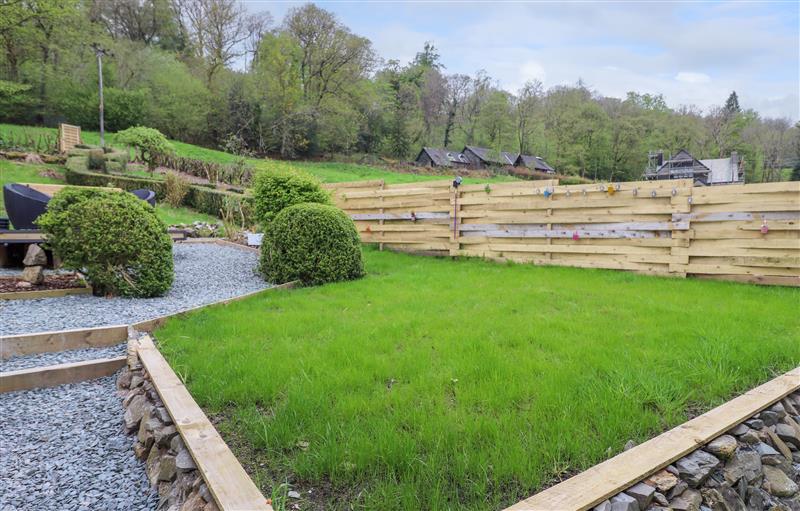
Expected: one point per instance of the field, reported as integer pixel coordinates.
(14, 172)
(328, 172)
(464, 384)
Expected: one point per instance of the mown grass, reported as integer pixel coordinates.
(464, 384)
(17, 172)
(327, 172)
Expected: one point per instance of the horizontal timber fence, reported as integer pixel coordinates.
(748, 233)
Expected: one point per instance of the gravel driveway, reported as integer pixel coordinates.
(63, 448)
(204, 273)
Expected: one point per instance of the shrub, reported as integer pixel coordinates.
(175, 189)
(97, 159)
(148, 142)
(114, 238)
(312, 243)
(275, 190)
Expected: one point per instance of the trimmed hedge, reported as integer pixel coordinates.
(312, 243)
(114, 238)
(202, 199)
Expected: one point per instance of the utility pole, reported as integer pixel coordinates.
(101, 52)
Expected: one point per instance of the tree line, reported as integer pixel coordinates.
(212, 73)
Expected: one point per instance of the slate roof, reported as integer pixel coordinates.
(444, 157)
(534, 163)
(488, 156)
(723, 170)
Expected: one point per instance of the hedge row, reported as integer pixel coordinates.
(205, 200)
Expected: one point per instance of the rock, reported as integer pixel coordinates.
(176, 445)
(689, 500)
(739, 430)
(780, 445)
(757, 498)
(136, 380)
(660, 499)
(136, 410)
(744, 463)
(603, 506)
(184, 461)
(679, 488)
(765, 450)
(751, 437)
(696, 467)
(643, 493)
(167, 468)
(193, 503)
(152, 465)
(769, 417)
(663, 481)
(630, 444)
(124, 379)
(141, 451)
(777, 483)
(723, 499)
(778, 409)
(789, 407)
(33, 274)
(163, 414)
(755, 423)
(163, 435)
(293, 494)
(722, 447)
(788, 434)
(35, 256)
(23, 285)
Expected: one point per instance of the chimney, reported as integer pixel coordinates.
(660, 158)
(734, 166)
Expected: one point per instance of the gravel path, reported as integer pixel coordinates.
(62, 357)
(204, 273)
(63, 449)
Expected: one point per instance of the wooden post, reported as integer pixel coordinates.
(455, 216)
(380, 222)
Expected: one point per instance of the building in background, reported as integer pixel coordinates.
(435, 157)
(534, 163)
(716, 171)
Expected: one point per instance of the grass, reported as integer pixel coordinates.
(17, 172)
(465, 384)
(327, 172)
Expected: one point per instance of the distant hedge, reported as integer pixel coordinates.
(205, 200)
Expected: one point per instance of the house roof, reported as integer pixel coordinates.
(534, 163)
(444, 157)
(680, 161)
(489, 156)
(723, 170)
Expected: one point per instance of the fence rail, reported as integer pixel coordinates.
(748, 233)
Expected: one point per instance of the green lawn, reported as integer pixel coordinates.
(328, 172)
(16, 172)
(465, 384)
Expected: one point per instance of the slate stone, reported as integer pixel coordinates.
(643, 493)
(739, 430)
(777, 483)
(744, 463)
(769, 418)
(755, 423)
(184, 461)
(723, 446)
(723, 499)
(623, 502)
(788, 434)
(663, 481)
(35, 256)
(689, 500)
(696, 467)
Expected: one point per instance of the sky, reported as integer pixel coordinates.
(694, 53)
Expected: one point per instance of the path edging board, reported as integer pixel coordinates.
(232, 488)
(50, 376)
(612, 476)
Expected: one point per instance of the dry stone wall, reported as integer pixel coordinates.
(170, 467)
(753, 467)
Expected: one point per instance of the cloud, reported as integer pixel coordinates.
(690, 77)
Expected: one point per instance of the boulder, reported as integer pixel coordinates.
(33, 274)
(696, 467)
(135, 411)
(777, 483)
(722, 447)
(35, 256)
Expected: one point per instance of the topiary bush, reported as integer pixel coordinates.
(97, 159)
(312, 243)
(275, 190)
(148, 142)
(114, 238)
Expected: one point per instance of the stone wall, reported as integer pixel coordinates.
(170, 467)
(754, 466)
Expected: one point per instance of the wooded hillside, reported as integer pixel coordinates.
(212, 73)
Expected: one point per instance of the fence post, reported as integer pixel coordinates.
(681, 239)
(455, 221)
(380, 222)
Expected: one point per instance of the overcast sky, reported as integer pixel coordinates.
(691, 52)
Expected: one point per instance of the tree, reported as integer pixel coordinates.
(148, 142)
(732, 104)
(526, 106)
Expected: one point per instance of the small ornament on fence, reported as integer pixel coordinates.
(576, 236)
(368, 229)
(653, 194)
(764, 226)
(611, 190)
(413, 217)
(636, 191)
(674, 192)
(547, 193)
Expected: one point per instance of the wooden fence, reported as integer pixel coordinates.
(747, 233)
(68, 137)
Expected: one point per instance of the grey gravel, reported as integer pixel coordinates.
(204, 273)
(62, 357)
(63, 449)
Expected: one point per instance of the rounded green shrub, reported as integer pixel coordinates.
(274, 190)
(312, 243)
(97, 159)
(114, 238)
